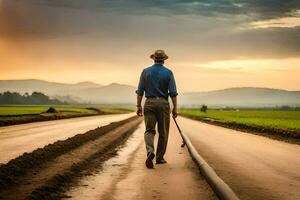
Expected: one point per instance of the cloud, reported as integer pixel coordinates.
(210, 29)
(253, 64)
(283, 22)
(257, 8)
(19, 20)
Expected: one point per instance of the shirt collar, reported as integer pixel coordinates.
(158, 64)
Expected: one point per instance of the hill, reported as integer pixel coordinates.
(49, 88)
(89, 92)
(243, 97)
(83, 92)
(114, 93)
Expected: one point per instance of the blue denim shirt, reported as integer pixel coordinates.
(157, 81)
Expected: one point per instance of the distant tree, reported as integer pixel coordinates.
(51, 110)
(36, 98)
(12, 97)
(229, 108)
(203, 108)
(39, 98)
(285, 108)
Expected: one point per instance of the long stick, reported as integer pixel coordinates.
(183, 142)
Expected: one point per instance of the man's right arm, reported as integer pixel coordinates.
(139, 109)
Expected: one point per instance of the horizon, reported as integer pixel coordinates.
(211, 45)
(103, 85)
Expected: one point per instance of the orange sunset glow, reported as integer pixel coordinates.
(76, 42)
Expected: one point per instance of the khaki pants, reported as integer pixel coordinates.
(157, 111)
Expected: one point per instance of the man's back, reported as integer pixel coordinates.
(157, 81)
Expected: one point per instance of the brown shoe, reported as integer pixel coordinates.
(149, 161)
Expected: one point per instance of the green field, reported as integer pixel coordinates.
(115, 108)
(270, 119)
(25, 110)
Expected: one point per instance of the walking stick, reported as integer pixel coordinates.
(183, 142)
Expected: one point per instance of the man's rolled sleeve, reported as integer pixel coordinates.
(172, 87)
(141, 87)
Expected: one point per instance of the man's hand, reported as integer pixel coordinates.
(139, 111)
(174, 113)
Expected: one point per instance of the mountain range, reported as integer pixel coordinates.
(89, 92)
(51, 88)
(243, 97)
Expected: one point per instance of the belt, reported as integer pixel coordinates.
(166, 98)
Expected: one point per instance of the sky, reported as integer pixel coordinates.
(211, 44)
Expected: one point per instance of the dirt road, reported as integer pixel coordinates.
(17, 139)
(46, 172)
(255, 167)
(126, 177)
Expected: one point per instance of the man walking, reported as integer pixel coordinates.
(158, 83)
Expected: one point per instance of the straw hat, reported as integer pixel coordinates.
(159, 55)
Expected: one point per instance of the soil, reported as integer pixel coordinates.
(45, 172)
(22, 119)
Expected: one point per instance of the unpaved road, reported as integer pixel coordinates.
(46, 172)
(126, 177)
(255, 167)
(17, 139)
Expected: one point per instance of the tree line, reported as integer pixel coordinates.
(36, 98)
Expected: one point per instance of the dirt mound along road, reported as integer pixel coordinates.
(22, 119)
(44, 172)
(18, 139)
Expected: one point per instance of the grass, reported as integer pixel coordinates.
(25, 110)
(269, 119)
(115, 109)
(12, 110)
